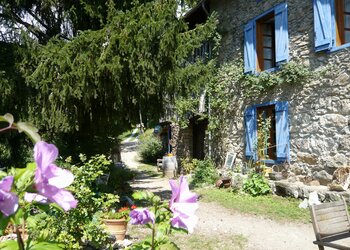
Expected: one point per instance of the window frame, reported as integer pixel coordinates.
(281, 43)
(282, 130)
(326, 36)
(260, 35)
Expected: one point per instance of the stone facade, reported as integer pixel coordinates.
(319, 112)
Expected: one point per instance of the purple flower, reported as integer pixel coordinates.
(50, 179)
(141, 216)
(183, 204)
(8, 200)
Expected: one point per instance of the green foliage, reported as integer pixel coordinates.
(161, 229)
(268, 206)
(262, 143)
(150, 149)
(129, 63)
(231, 83)
(256, 185)
(79, 226)
(188, 165)
(204, 172)
(292, 73)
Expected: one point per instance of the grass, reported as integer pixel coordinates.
(213, 242)
(272, 207)
(149, 170)
(127, 134)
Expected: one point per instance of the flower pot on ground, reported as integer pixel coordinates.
(116, 221)
(116, 227)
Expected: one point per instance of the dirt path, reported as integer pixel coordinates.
(215, 220)
(219, 222)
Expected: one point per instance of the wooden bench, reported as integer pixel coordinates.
(331, 223)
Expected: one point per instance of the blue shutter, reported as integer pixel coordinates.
(282, 131)
(281, 32)
(323, 24)
(249, 48)
(250, 133)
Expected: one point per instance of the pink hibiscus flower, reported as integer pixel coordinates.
(51, 180)
(183, 204)
(8, 200)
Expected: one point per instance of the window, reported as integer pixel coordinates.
(265, 49)
(278, 143)
(332, 24)
(342, 13)
(266, 40)
(267, 116)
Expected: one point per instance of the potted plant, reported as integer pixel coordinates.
(115, 219)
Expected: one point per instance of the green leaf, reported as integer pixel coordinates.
(169, 246)
(7, 118)
(2, 174)
(142, 195)
(9, 245)
(45, 246)
(29, 130)
(3, 223)
(17, 218)
(24, 176)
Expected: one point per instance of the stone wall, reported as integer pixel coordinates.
(319, 112)
(184, 143)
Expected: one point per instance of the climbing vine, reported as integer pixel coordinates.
(230, 84)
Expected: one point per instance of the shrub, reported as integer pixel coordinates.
(204, 172)
(187, 165)
(150, 149)
(79, 226)
(256, 185)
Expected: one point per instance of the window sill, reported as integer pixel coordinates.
(334, 49)
(267, 71)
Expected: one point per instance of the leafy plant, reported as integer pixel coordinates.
(150, 149)
(188, 165)
(75, 228)
(256, 185)
(204, 173)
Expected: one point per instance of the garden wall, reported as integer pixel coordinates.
(319, 112)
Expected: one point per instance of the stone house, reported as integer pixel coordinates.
(309, 124)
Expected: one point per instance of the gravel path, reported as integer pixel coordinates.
(215, 220)
(261, 233)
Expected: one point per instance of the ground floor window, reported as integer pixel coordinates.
(267, 132)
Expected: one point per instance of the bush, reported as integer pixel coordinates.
(150, 149)
(78, 226)
(256, 185)
(187, 165)
(204, 172)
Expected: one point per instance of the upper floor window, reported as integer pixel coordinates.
(266, 40)
(342, 13)
(332, 24)
(265, 43)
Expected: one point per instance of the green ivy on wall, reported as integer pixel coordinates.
(230, 84)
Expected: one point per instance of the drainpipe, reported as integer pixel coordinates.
(209, 135)
(203, 7)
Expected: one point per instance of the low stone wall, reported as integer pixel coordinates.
(301, 191)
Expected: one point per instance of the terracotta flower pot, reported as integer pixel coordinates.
(117, 227)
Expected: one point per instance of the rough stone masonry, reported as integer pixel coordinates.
(319, 112)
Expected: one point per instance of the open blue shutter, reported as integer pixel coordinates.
(249, 48)
(282, 131)
(281, 31)
(250, 133)
(323, 22)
